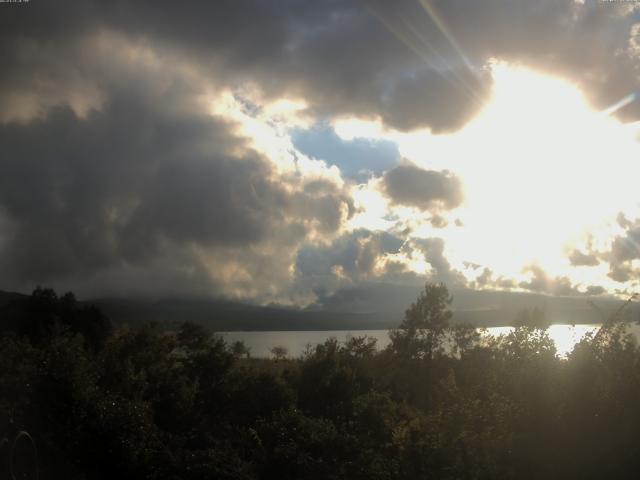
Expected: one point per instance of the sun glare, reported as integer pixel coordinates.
(543, 173)
(542, 170)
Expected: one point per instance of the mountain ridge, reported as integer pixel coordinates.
(480, 308)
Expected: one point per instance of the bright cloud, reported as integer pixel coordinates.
(542, 172)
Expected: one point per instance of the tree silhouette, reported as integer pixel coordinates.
(439, 403)
(279, 352)
(421, 333)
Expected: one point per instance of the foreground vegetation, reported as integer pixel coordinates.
(94, 402)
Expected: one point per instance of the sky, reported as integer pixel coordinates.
(293, 152)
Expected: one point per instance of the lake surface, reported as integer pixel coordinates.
(260, 343)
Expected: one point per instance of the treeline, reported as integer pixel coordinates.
(80, 399)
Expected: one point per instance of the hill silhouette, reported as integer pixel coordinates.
(480, 308)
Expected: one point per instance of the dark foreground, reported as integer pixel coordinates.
(94, 402)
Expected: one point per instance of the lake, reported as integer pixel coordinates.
(260, 343)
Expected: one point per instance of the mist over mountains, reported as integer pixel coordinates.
(380, 307)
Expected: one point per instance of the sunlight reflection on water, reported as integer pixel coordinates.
(564, 336)
(260, 343)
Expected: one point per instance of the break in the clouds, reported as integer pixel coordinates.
(357, 158)
(193, 148)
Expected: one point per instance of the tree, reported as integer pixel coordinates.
(463, 338)
(279, 352)
(240, 349)
(42, 315)
(193, 336)
(421, 333)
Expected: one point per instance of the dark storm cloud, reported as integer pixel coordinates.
(391, 58)
(150, 193)
(368, 57)
(424, 189)
(335, 54)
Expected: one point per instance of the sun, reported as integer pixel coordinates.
(543, 171)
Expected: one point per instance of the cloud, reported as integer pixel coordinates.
(434, 254)
(590, 44)
(116, 177)
(412, 186)
(541, 282)
(624, 250)
(336, 55)
(350, 258)
(364, 257)
(578, 258)
(595, 290)
(396, 60)
(620, 254)
(485, 278)
(150, 194)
